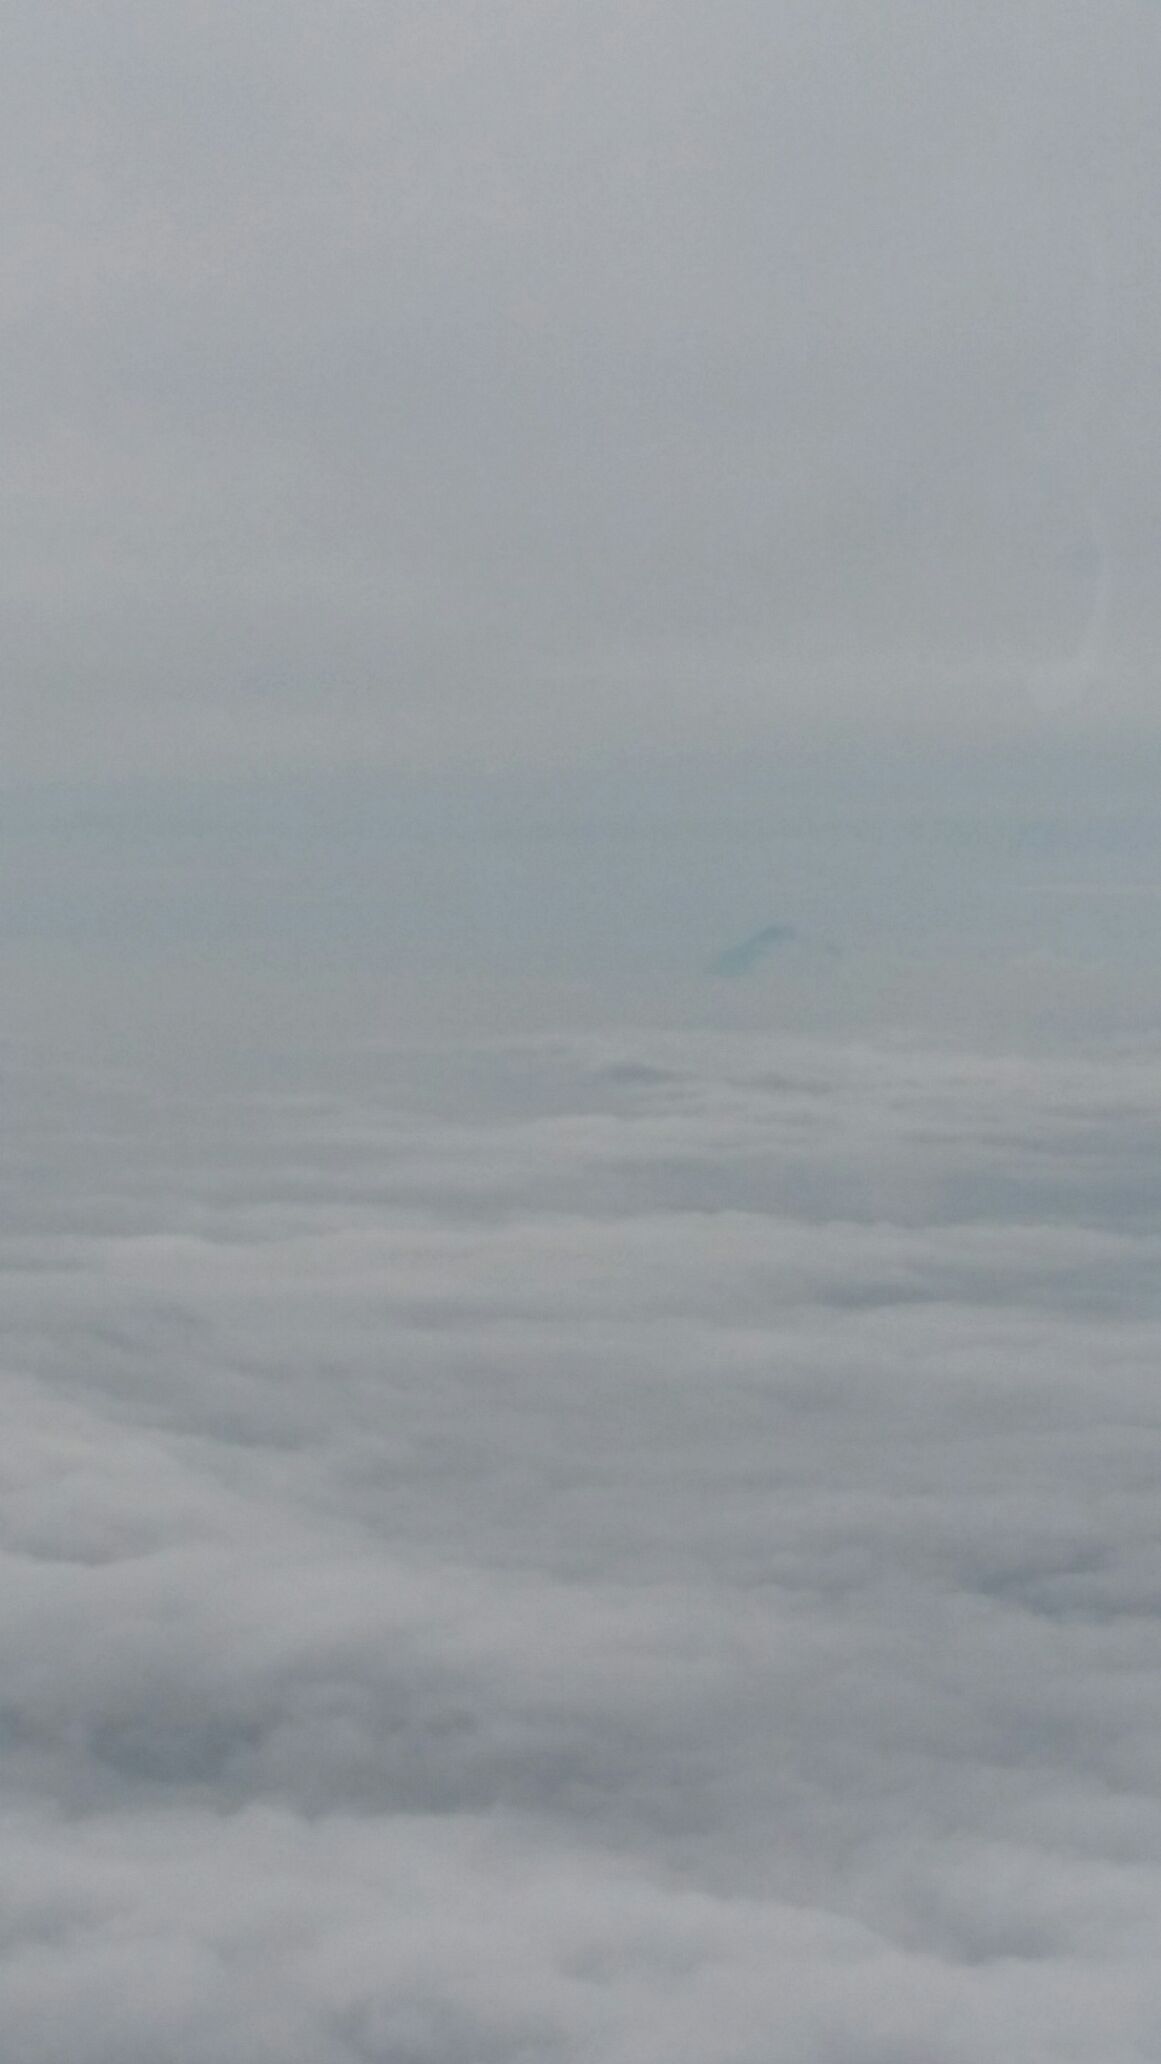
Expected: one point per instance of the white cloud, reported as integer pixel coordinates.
(654, 1559)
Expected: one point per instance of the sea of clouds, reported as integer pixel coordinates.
(637, 1550)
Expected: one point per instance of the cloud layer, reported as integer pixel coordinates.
(632, 1550)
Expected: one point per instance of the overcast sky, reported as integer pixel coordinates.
(506, 503)
(433, 382)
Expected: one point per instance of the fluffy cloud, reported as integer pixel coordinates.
(634, 1550)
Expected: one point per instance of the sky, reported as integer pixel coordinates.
(494, 493)
(446, 383)
(580, 895)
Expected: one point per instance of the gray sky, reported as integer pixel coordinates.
(411, 384)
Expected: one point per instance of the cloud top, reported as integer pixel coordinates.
(635, 1548)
